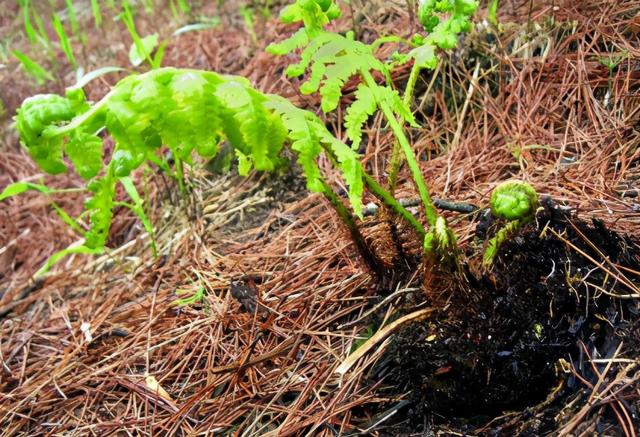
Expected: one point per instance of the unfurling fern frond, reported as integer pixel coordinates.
(315, 14)
(186, 110)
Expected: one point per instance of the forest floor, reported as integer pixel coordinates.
(548, 344)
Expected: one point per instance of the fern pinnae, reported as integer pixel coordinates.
(349, 164)
(391, 97)
(303, 140)
(296, 41)
(331, 91)
(309, 54)
(358, 113)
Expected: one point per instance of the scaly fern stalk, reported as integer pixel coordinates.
(385, 197)
(391, 202)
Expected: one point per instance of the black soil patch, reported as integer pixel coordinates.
(501, 343)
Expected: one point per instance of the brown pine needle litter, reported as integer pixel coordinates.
(127, 344)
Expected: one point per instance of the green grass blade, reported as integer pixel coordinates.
(67, 219)
(215, 22)
(184, 6)
(65, 44)
(25, 6)
(84, 80)
(139, 52)
(129, 22)
(492, 13)
(73, 19)
(249, 22)
(35, 70)
(42, 31)
(97, 14)
(56, 257)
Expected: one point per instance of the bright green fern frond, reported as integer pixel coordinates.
(310, 52)
(331, 91)
(304, 139)
(393, 100)
(294, 42)
(254, 123)
(358, 113)
(348, 163)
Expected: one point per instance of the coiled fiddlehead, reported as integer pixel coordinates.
(515, 201)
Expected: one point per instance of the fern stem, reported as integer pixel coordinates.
(411, 83)
(423, 191)
(396, 155)
(390, 201)
(500, 238)
(180, 176)
(384, 196)
(347, 218)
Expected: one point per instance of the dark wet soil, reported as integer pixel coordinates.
(504, 340)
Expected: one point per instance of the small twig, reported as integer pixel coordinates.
(378, 337)
(379, 305)
(447, 205)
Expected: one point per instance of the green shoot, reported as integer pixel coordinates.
(21, 187)
(209, 23)
(35, 70)
(138, 209)
(65, 44)
(143, 46)
(492, 13)
(248, 18)
(97, 14)
(71, 250)
(197, 297)
(18, 188)
(142, 50)
(73, 19)
(25, 6)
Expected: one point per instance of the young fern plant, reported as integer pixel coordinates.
(332, 59)
(190, 112)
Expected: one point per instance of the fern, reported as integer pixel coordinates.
(188, 111)
(296, 41)
(332, 59)
(309, 137)
(358, 113)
